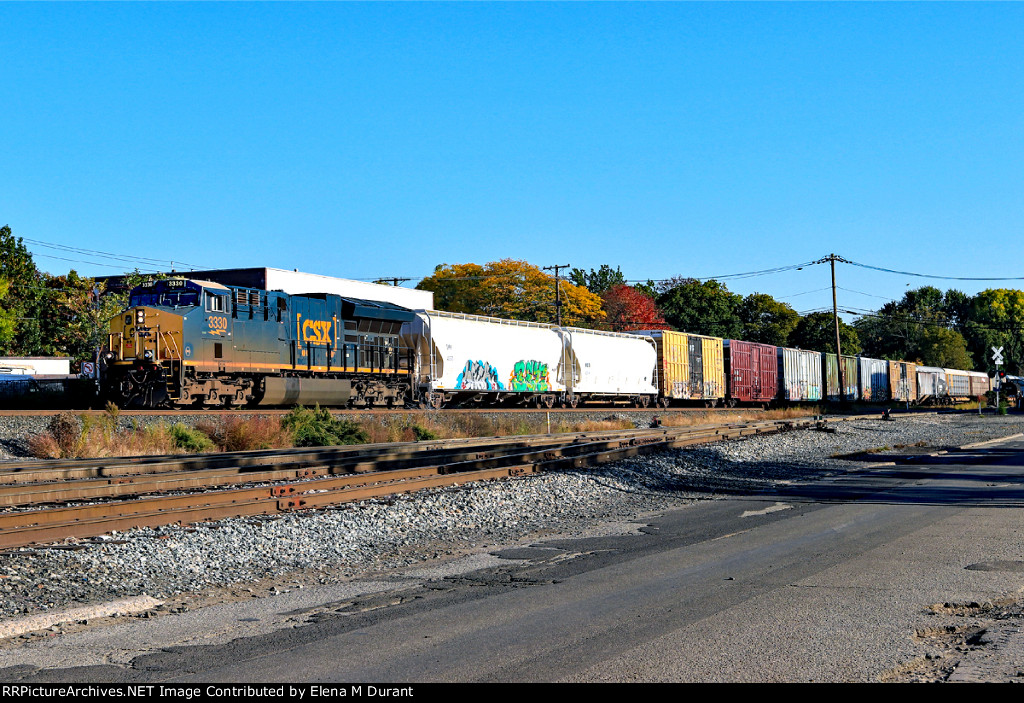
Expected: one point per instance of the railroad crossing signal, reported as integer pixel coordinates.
(997, 355)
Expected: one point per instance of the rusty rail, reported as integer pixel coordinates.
(311, 478)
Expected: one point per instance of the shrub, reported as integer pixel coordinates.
(422, 434)
(190, 439)
(316, 428)
(67, 432)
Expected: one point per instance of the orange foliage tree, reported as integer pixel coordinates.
(510, 289)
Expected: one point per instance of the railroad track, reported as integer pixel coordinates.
(122, 493)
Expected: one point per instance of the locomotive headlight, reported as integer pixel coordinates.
(140, 316)
(148, 355)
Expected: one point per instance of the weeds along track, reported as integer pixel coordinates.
(52, 500)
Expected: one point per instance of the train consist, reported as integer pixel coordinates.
(191, 343)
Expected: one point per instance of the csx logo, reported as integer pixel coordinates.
(316, 331)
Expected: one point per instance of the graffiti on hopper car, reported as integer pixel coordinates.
(529, 376)
(479, 376)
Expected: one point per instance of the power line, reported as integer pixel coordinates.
(106, 254)
(926, 275)
(93, 263)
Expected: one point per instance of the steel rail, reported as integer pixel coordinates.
(357, 482)
(91, 488)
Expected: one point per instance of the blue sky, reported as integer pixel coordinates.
(372, 140)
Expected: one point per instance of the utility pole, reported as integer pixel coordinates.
(395, 281)
(558, 296)
(832, 259)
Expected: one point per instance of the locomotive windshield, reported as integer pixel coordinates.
(172, 293)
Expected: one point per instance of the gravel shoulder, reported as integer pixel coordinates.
(241, 559)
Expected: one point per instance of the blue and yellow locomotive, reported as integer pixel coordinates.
(189, 343)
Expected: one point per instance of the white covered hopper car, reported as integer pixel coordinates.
(468, 358)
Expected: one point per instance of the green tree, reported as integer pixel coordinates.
(817, 331)
(24, 301)
(944, 347)
(701, 307)
(899, 330)
(7, 321)
(598, 282)
(766, 320)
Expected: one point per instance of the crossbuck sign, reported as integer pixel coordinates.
(997, 355)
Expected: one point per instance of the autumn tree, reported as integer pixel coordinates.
(510, 289)
(626, 308)
(817, 331)
(766, 320)
(701, 307)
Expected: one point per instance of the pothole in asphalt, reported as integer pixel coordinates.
(951, 636)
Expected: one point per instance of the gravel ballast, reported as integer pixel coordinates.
(331, 545)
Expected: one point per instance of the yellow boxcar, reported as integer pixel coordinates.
(690, 367)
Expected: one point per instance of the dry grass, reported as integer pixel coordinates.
(72, 436)
(235, 434)
(83, 436)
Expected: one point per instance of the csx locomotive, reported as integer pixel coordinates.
(183, 343)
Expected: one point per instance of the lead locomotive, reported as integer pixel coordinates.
(188, 343)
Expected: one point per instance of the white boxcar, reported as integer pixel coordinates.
(959, 384)
(799, 375)
(611, 364)
(874, 379)
(472, 356)
(931, 385)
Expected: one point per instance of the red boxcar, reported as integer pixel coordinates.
(753, 373)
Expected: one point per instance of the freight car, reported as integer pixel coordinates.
(690, 370)
(873, 385)
(932, 386)
(752, 369)
(799, 375)
(903, 381)
(187, 343)
(831, 375)
(470, 359)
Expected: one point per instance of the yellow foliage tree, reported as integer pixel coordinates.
(511, 289)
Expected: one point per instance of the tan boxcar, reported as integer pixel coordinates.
(980, 384)
(903, 381)
(690, 367)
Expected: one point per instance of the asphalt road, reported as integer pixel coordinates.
(879, 570)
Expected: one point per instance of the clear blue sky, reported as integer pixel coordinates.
(366, 140)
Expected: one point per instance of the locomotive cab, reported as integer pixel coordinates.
(149, 342)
